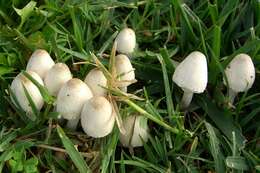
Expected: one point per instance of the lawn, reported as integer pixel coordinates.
(211, 135)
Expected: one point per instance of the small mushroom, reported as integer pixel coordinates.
(137, 132)
(40, 62)
(95, 79)
(97, 119)
(192, 76)
(17, 87)
(124, 70)
(126, 41)
(240, 75)
(56, 77)
(70, 100)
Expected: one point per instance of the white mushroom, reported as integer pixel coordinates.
(97, 119)
(40, 62)
(240, 75)
(126, 41)
(95, 79)
(19, 92)
(56, 77)
(124, 70)
(70, 100)
(192, 76)
(137, 132)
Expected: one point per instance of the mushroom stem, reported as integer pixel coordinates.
(186, 99)
(72, 124)
(231, 95)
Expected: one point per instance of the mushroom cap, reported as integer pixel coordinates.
(97, 119)
(126, 41)
(56, 77)
(95, 79)
(18, 90)
(40, 62)
(137, 131)
(71, 98)
(192, 73)
(124, 69)
(240, 73)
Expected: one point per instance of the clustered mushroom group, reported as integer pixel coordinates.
(88, 101)
(85, 101)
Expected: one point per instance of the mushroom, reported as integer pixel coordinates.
(192, 76)
(56, 77)
(40, 62)
(97, 119)
(70, 100)
(17, 88)
(240, 75)
(137, 132)
(95, 79)
(126, 41)
(125, 71)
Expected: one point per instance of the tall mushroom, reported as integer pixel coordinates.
(95, 79)
(126, 41)
(40, 62)
(20, 83)
(70, 100)
(125, 71)
(240, 75)
(137, 132)
(56, 77)
(192, 76)
(97, 119)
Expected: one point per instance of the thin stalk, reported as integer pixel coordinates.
(72, 124)
(231, 95)
(186, 99)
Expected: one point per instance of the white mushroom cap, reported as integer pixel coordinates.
(18, 90)
(240, 73)
(124, 69)
(40, 62)
(97, 119)
(126, 41)
(56, 77)
(192, 73)
(137, 131)
(71, 98)
(95, 79)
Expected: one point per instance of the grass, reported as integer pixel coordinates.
(210, 137)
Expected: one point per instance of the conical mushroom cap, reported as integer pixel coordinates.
(192, 73)
(56, 77)
(97, 119)
(137, 131)
(40, 62)
(124, 69)
(126, 41)
(240, 73)
(18, 90)
(71, 98)
(95, 79)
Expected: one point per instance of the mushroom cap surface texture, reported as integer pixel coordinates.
(56, 77)
(95, 79)
(126, 41)
(40, 62)
(71, 98)
(18, 90)
(97, 119)
(124, 69)
(240, 73)
(192, 73)
(137, 130)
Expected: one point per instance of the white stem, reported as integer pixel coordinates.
(186, 99)
(124, 89)
(231, 95)
(72, 124)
